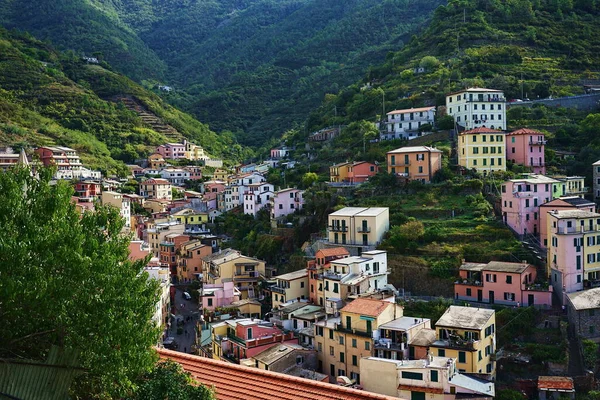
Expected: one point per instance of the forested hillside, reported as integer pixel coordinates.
(51, 98)
(254, 67)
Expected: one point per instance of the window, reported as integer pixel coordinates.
(210, 303)
(331, 351)
(434, 376)
(509, 279)
(341, 372)
(341, 339)
(354, 360)
(479, 355)
(354, 343)
(441, 353)
(342, 356)
(462, 357)
(319, 347)
(335, 287)
(367, 345)
(468, 292)
(509, 296)
(332, 369)
(412, 375)
(331, 334)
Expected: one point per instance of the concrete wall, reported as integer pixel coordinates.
(582, 102)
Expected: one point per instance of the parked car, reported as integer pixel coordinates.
(170, 343)
(187, 296)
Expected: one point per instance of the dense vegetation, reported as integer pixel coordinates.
(254, 67)
(48, 97)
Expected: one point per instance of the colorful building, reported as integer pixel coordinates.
(358, 227)
(477, 108)
(467, 334)
(172, 151)
(338, 173)
(168, 251)
(88, 190)
(414, 163)
(285, 202)
(499, 282)
(573, 250)
(315, 269)
(189, 260)
(569, 186)
(292, 286)
(223, 294)
(563, 203)
(526, 147)
(121, 203)
(246, 272)
(521, 201)
(482, 149)
(406, 124)
(159, 189)
(361, 171)
(156, 162)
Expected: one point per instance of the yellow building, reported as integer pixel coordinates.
(158, 231)
(342, 341)
(339, 172)
(156, 206)
(467, 334)
(194, 152)
(246, 272)
(221, 175)
(291, 286)
(187, 216)
(156, 161)
(358, 226)
(482, 149)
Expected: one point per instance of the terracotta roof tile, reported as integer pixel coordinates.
(367, 307)
(481, 129)
(335, 251)
(236, 382)
(555, 382)
(525, 131)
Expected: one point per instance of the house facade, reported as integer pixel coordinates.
(583, 309)
(88, 190)
(121, 203)
(526, 147)
(563, 203)
(172, 151)
(286, 201)
(405, 124)
(414, 163)
(246, 272)
(175, 176)
(477, 107)
(499, 282)
(569, 186)
(159, 189)
(358, 226)
(289, 287)
(521, 201)
(315, 269)
(482, 149)
(213, 296)
(596, 180)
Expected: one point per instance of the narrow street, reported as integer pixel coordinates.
(186, 311)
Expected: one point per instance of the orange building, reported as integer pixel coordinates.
(315, 267)
(189, 263)
(168, 247)
(415, 163)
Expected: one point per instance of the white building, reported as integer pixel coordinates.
(358, 227)
(256, 197)
(405, 124)
(478, 107)
(362, 274)
(175, 176)
(121, 203)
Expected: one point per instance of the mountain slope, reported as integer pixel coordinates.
(529, 48)
(254, 67)
(52, 98)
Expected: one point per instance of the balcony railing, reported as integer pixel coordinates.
(486, 100)
(389, 345)
(338, 228)
(537, 142)
(363, 229)
(468, 282)
(277, 289)
(357, 332)
(331, 275)
(521, 195)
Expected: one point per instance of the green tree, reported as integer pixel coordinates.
(429, 63)
(309, 178)
(67, 281)
(168, 381)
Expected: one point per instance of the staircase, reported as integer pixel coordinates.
(149, 118)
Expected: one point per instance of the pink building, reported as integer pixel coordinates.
(218, 295)
(526, 147)
(173, 151)
(88, 190)
(564, 203)
(280, 152)
(212, 188)
(195, 172)
(286, 201)
(521, 201)
(360, 171)
(499, 282)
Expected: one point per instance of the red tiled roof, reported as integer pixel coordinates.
(555, 382)
(525, 131)
(335, 251)
(481, 129)
(408, 110)
(236, 382)
(155, 181)
(421, 389)
(366, 307)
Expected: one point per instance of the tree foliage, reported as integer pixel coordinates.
(67, 281)
(168, 381)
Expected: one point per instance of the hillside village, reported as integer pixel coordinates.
(343, 318)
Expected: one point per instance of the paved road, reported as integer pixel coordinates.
(188, 310)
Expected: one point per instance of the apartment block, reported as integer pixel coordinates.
(246, 272)
(156, 189)
(477, 107)
(573, 250)
(526, 147)
(189, 260)
(563, 203)
(256, 197)
(156, 161)
(316, 267)
(521, 201)
(569, 186)
(467, 334)
(433, 378)
(157, 231)
(358, 227)
(286, 201)
(342, 341)
(88, 190)
(405, 124)
(218, 295)
(482, 149)
(499, 282)
(121, 203)
(414, 163)
(168, 251)
(292, 286)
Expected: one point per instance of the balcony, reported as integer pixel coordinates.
(277, 289)
(363, 229)
(537, 142)
(236, 339)
(338, 228)
(468, 282)
(538, 287)
(457, 343)
(383, 344)
(522, 195)
(341, 328)
(487, 100)
(331, 275)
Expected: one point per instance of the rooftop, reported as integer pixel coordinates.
(565, 214)
(481, 129)
(403, 323)
(575, 201)
(475, 90)
(533, 178)
(562, 383)
(423, 338)
(525, 131)
(272, 354)
(409, 110)
(301, 273)
(359, 211)
(415, 149)
(465, 317)
(334, 251)
(586, 299)
(497, 266)
(369, 307)
(234, 382)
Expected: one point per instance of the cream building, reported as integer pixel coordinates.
(156, 189)
(358, 227)
(289, 287)
(478, 107)
(246, 272)
(121, 203)
(157, 232)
